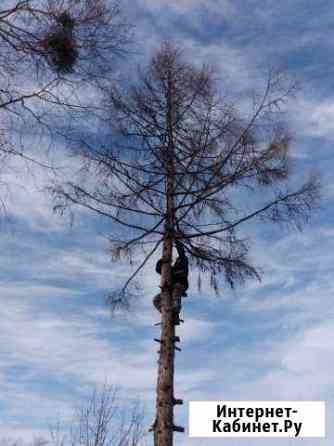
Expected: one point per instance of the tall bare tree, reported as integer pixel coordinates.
(182, 163)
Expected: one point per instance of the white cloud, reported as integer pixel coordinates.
(314, 117)
(188, 6)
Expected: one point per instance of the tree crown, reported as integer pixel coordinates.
(173, 134)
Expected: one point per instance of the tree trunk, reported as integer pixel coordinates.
(163, 432)
(164, 423)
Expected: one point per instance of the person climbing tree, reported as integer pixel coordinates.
(179, 281)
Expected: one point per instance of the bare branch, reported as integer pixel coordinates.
(217, 154)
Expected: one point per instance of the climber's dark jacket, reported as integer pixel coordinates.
(179, 269)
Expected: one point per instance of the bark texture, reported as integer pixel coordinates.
(163, 432)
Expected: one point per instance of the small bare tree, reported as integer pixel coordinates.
(181, 163)
(50, 43)
(102, 420)
(52, 52)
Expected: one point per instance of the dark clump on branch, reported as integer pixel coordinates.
(60, 45)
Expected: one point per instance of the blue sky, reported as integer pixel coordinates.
(268, 340)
